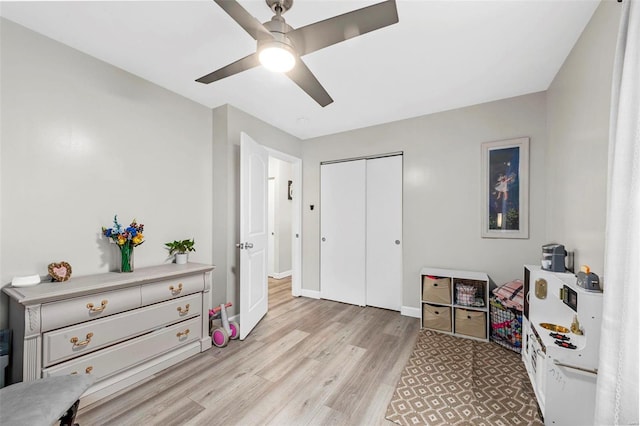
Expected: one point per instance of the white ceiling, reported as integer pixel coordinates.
(441, 55)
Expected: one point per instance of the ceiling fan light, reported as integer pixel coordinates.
(276, 57)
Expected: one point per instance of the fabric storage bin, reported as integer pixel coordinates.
(436, 317)
(506, 326)
(470, 323)
(436, 290)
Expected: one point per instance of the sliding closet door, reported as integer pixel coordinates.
(384, 232)
(342, 231)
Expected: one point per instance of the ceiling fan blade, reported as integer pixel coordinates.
(321, 34)
(303, 77)
(244, 19)
(240, 65)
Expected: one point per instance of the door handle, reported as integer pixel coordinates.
(248, 245)
(324, 239)
(397, 242)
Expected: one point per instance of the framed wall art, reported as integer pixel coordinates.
(505, 189)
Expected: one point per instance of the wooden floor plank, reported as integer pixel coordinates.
(237, 369)
(308, 362)
(233, 401)
(304, 406)
(277, 369)
(263, 410)
(326, 416)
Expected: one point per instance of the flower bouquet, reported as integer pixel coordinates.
(126, 239)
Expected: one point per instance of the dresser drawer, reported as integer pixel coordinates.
(67, 312)
(114, 359)
(81, 339)
(171, 289)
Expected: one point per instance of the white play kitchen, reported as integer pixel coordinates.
(561, 343)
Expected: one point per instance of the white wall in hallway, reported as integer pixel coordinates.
(282, 173)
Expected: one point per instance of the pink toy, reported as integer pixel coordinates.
(220, 335)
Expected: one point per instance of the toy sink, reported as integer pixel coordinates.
(554, 327)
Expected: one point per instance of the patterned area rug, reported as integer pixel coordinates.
(453, 381)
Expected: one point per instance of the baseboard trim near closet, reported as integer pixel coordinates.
(409, 311)
(281, 275)
(312, 294)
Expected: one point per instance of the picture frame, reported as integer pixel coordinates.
(505, 188)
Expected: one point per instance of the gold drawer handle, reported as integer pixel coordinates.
(87, 370)
(175, 290)
(85, 342)
(103, 306)
(179, 334)
(183, 311)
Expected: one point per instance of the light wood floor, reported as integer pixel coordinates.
(308, 362)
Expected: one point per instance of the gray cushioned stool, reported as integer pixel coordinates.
(43, 401)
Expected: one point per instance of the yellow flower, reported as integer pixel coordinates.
(137, 239)
(121, 240)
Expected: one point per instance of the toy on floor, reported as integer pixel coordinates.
(226, 330)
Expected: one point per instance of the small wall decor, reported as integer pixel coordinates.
(505, 189)
(60, 271)
(289, 190)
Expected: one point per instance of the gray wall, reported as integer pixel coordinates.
(81, 141)
(568, 126)
(578, 103)
(442, 192)
(112, 143)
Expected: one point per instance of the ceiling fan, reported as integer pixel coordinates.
(280, 46)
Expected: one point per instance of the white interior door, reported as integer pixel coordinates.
(384, 232)
(342, 230)
(254, 168)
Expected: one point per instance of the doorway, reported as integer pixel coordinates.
(280, 212)
(253, 244)
(285, 205)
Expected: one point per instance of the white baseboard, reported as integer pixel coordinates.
(408, 311)
(312, 294)
(281, 275)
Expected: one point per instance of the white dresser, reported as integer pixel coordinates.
(120, 327)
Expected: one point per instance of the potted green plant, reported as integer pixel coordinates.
(180, 249)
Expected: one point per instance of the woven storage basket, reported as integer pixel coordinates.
(506, 326)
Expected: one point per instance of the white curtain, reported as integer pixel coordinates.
(617, 388)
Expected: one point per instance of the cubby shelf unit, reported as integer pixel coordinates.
(455, 302)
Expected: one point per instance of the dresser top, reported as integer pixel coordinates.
(90, 284)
